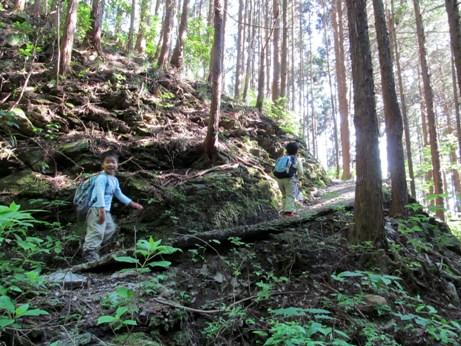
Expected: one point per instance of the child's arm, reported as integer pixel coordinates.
(124, 199)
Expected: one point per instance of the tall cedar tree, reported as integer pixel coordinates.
(130, 43)
(276, 51)
(455, 40)
(167, 29)
(369, 219)
(403, 103)
(431, 123)
(392, 116)
(211, 140)
(284, 52)
(178, 52)
(337, 21)
(95, 32)
(144, 14)
(68, 37)
(238, 65)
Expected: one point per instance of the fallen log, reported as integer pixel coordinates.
(245, 232)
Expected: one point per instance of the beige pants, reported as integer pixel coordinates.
(288, 188)
(97, 234)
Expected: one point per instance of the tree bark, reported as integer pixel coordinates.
(251, 47)
(37, 8)
(403, 104)
(19, 5)
(178, 52)
(95, 32)
(455, 40)
(337, 21)
(211, 140)
(284, 52)
(140, 45)
(67, 41)
(167, 29)
(238, 65)
(368, 210)
(276, 52)
(130, 43)
(392, 116)
(332, 98)
(428, 96)
(456, 101)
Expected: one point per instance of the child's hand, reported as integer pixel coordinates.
(102, 216)
(135, 205)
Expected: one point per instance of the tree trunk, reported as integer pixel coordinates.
(310, 87)
(293, 54)
(238, 65)
(392, 116)
(211, 140)
(402, 102)
(95, 32)
(337, 20)
(167, 29)
(456, 101)
(37, 8)
(369, 219)
(178, 52)
(332, 98)
(140, 45)
(455, 40)
(251, 47)
(19, 5)
(67, 41)
(276, 52)
(130, 43)
(284, 52)
(428, 96)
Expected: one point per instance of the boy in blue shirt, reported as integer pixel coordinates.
(100, 226)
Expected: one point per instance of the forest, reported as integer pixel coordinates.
(183, 111)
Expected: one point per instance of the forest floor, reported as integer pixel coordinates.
(298, 281)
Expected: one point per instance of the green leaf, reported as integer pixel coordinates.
(126, 259)
(106, 319)
(130, 322)
(7, 304)
(35, 312)
(5, 322)
(21, 310)
(288, 312)
(121, 311)
(163, 264)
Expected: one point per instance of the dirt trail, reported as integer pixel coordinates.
(333, 196)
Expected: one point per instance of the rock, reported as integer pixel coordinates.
(453, 293)
(372, 301)
(25, 182)
(77, 146)
(77, 340)
(17, 120)
(219, 278)
(68, 280)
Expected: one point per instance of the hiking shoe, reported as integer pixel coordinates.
(288, 213)
(91, 256)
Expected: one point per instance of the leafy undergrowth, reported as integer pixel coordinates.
(305, 286)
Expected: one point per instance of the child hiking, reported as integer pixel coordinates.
(100, 226)
(287, 170)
